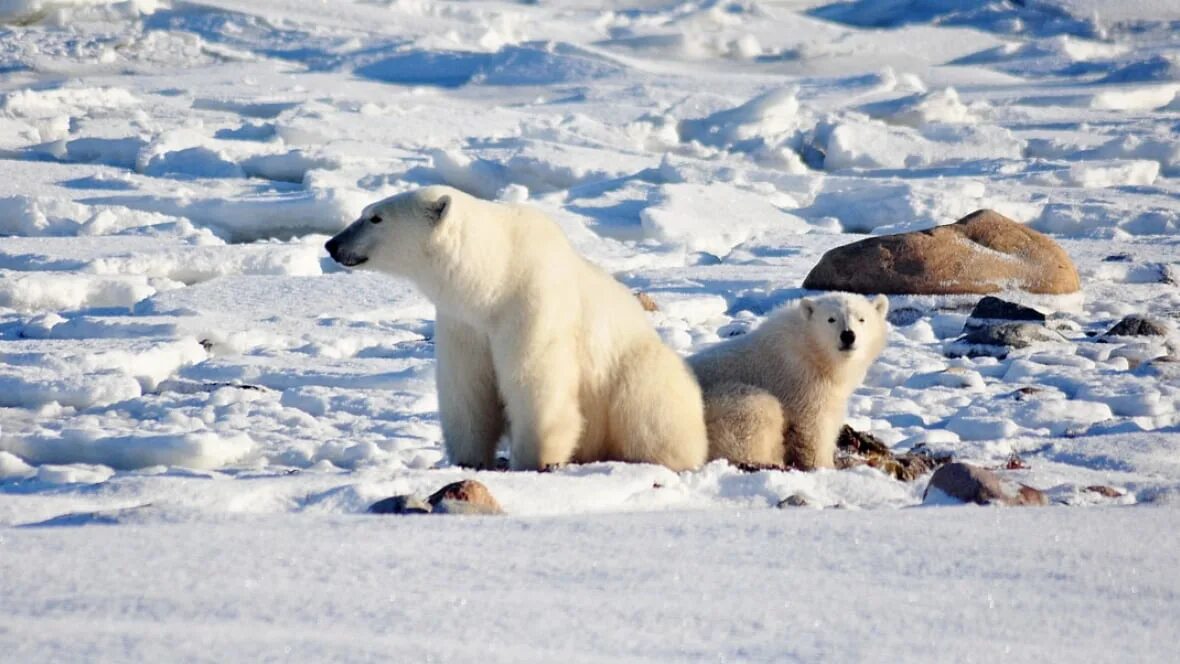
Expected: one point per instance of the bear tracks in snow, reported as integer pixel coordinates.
(984, 252)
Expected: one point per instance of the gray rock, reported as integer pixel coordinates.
(1010, 334)
(903, 316)
(993, 308)
(400, 505)
(1138, 326)
(972, 484)
(794, 500)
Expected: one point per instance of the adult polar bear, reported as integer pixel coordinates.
(529, 329)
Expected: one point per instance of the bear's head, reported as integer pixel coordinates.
(846, 327)
(396, 235)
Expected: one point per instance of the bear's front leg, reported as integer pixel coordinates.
(812, 444)
(469, 403)
(539, 382)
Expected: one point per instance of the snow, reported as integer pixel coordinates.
(197, 406)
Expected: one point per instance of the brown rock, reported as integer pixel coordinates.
(972, 484)
(1103, 490)
(984, 252)
(859, 448)
(646, 302)
(1027, 495)
(466, 491)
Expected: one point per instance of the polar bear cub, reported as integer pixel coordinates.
(530, 339)
(778, 394)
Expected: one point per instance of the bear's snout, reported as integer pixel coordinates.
(345, 258)
(847, 338)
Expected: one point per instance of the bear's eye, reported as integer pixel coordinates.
(861, 320)
(831, 320)
(375, 219)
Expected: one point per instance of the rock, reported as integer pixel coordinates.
(466, 491)
(794, 500)
(972, 484)
(984, 252)
(1107, 491)
(400, 505)
(1026, 392)
(1009, 334)
(903, 316)
(857, 448)
(993, 308)
(1030, 497)
(1138, 326)
(646, 302)
(859, 442)
(448, 506)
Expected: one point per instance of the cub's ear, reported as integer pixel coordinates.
(808, 306)
(437, 211)
(882, 304)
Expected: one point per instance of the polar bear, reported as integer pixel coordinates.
(778, 394)
(530, 338)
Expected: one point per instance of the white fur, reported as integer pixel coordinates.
(796, 358)
(532, 337)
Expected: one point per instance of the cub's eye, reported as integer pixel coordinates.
(861, 320)
(831, 320)
(375, 219)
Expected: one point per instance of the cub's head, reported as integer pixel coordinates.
(397, 235)
(847, 327)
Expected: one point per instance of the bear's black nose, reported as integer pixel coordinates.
(847, 338)
(332, 246)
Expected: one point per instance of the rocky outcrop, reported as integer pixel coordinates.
(984, 252)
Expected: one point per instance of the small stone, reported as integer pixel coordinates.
(1138, 326)
(860, 442)
(646, 302)
(1107, 491)
(993, 308)
(972, 484)
(467, 491)
(1030, 497)
(1014, 462)
(400, 505)
(794, 500)
(1023, 393)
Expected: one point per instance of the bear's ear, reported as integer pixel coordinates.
(808, 306)
(882, 304)
(437, 211)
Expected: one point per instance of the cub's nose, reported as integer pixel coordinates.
(847, 338)
(332, 246)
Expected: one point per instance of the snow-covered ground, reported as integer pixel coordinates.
(185, 375)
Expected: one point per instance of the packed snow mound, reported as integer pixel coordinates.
(713, 218)
(201, 450)
(541, 63)
(31, 11)
(759, 121)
